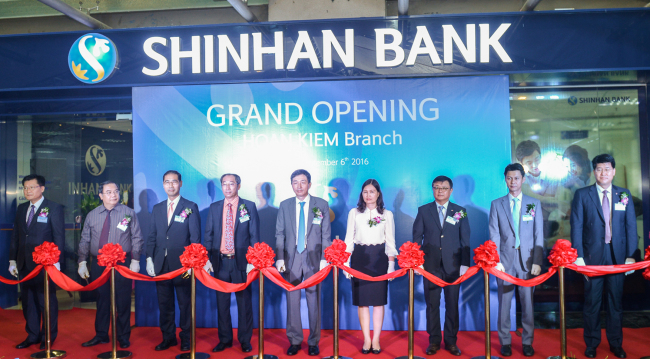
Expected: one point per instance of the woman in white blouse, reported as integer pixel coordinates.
(370, 238)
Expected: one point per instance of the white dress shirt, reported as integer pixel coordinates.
(306, 209)
(359, 231)
(36, 205)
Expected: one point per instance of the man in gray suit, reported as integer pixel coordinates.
(302, 233)
(516, 226)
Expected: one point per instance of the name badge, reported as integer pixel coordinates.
(317, 221)
(41, 219)
(527, 217)
(122, 227)
(179, 219)
(619, 207)
(244, 218)
(451, 220)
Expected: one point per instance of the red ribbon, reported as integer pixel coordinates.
(111, 254)
(31, 275)
(486, 255)
(67, 284)
(410, 256)
(336, 254)
(646, 273)
(46, 254)
(562, 254)
(260, 255)
(194, 256)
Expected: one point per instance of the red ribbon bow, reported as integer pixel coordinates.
(260, 256)
(646, 272)
(110, 255)
(46, 254)
(486, 255)
(194, 256)
(562, 253)
(410, 255)
(336, 254)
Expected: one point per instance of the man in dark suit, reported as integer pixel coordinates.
(302, 232)
(37, 221)
(516, 227)
(442, 228)
(232, 226)
(175, 224)
(603, 230)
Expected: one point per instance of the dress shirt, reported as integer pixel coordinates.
(512, 203)
(131, 240)
(359, 231)
(175, 202)
(306, 209)
(444, 208)
(609, 196)
(235, 211)
(36, 205)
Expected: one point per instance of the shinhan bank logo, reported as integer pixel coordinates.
(92, 58)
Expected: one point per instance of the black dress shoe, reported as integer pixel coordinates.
(166, 343)
(366, 351)
(44, 345)
(432, 349)
(528, 350)
(293, 350)
(246, 347)
(221, 347)
(313, 350)
(94, 341)
(124, 343)
(618, 352)
(590, 352)
(25, 344)
(185, 345)
(506, 350)
(453, 349)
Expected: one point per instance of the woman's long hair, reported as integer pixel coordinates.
(361, 205)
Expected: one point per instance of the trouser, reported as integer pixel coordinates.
(506, 290)
(167, 308)
(122, 303)
(300, 270)
(432, 298)
(32, 295)
(228, 272)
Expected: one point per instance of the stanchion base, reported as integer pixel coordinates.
(266, 356)
(567, 357)
(407, 357)
(484, 357)
(119, 354)
(196, 356)
(53, 353)
(339, 357)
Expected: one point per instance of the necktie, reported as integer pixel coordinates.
(608, 225)
(170, 212)
(441, 214)
(301, 228)
(31, 215)
(103, 238)
(230, 243)
(515, 220)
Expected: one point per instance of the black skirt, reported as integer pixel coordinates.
(373, 261)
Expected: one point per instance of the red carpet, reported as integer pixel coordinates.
(76, 326)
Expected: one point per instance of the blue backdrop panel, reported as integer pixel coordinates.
(421, 128)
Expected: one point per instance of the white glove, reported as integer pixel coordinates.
(135, 266)
(323, 264)
(391, 268)
(421, 267)
(150, 269)
(83, 271)
(249, 268)
(500, 267)
(13, 268)
(346, 274)
(579, 262)
(57, 265)
(629, 261)
(535, 270)
(279, 265)
(208, 267)
(463, 270)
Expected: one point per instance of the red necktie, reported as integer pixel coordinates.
(230, 243)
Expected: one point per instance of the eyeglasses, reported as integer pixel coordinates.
(108, 193)
(172, 182)
(32, 188)
(606, 170)
(442, 189)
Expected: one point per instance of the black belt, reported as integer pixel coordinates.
(227, 256)
(516, 248)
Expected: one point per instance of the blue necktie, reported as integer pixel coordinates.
(301, 229)
(441, 215)
(515, 220)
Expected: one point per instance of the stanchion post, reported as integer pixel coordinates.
(114, 354)
(562, 355)
(488, 347)
(336, 317)
(260, 343)
(48, 352)
(193, 354)
(411, 319)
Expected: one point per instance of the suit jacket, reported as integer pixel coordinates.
(25, 239)
(172, 237)
(317, 237)
(246, 233)
(588, 226)
(531, 233)
(448, 243)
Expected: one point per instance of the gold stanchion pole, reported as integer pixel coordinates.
(336, 316)
(562, 318)
(488, 347)
(114, 354)
(48, 352)
(260, 342)
(193, 354)
(411, 313)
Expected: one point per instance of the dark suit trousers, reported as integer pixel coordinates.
(167, 306)
(613, 288)
(32, 295)
(122, 303)
(228, 272)
(432, 297)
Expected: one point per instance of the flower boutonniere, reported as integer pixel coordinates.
(624, 198)
(186, 213)
(375, 221)
(530, 209)
(318, 215)
(460, 215)
(243, 213)
(44, 212)
(125, 222)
